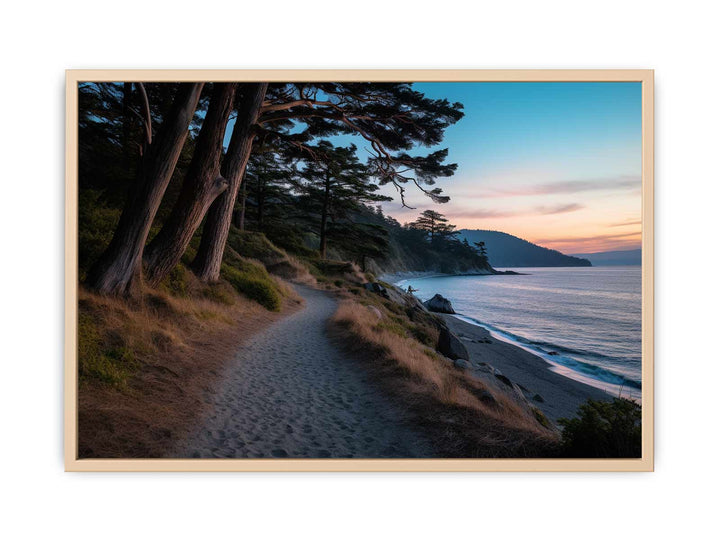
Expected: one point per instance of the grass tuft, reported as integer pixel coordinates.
(253, 281)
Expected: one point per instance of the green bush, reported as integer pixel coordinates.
(604, 429)
(220, 293)
(255, 246)
(253, 281)
(177, 282)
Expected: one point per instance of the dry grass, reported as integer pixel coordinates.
(146, 365)
(464, 416)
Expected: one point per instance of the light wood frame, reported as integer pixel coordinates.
(72, 463)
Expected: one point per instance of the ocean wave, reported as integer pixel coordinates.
(562, 358)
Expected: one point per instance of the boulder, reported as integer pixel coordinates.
(451, 346)
(462, 364)
(377, 288)
(488, 399)
(439, 304)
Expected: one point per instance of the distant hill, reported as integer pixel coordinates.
(506, 250)
(630, 257)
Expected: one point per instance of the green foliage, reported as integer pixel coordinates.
(96, 225)
(220, 293)
(422, 334)
(253, 281)
(541, 418)
(604, 429)
(254, 245)
(108, 363)
(393, 327)
(177, 282)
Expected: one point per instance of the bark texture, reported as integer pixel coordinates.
(217, 225)
(117, 271)
(324, 217)
(201, 186)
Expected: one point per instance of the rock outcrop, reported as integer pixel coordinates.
(377, 288)
(439, 304)
(451, 346)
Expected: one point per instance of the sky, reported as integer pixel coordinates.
(558, 164)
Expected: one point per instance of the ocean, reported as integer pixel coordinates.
(585, 321)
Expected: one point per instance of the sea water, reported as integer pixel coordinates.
(585, 321)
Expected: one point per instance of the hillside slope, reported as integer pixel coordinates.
(506, 250)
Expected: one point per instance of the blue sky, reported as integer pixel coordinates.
(557, 163)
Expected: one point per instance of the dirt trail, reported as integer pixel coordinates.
(291, 392)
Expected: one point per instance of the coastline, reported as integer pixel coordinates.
(560, 390)
(559, 396)
(396, 277)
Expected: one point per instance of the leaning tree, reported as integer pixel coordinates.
(118, 268)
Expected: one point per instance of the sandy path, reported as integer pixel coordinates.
(290, 392)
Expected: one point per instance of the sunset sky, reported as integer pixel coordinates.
(558, 164)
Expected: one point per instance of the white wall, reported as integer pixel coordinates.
(38, 42)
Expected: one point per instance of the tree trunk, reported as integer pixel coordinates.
(324, 216)
(201, 186)
(217, 225)
(127, 121)
(118, 268)
(241, 225)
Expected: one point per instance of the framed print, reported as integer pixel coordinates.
(434, 270)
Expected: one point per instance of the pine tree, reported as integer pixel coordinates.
(482, 250)
(435, 225)
(333, 183)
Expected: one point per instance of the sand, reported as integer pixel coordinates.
(561, 395)
(291, 393)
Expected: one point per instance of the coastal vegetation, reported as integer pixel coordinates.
(604, 429)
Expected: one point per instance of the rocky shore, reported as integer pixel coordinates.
(519, 373)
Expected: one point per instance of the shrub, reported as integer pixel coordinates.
(177, 282)
(254, 282)
(254, 245)
(220, 293)
(604, 429)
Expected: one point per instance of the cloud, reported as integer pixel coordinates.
(580, 239)
(591, 244)
(573, 186)
(559, 209)
(626, 223)
(483, 213)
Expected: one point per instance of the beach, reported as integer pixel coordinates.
(561, 396)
